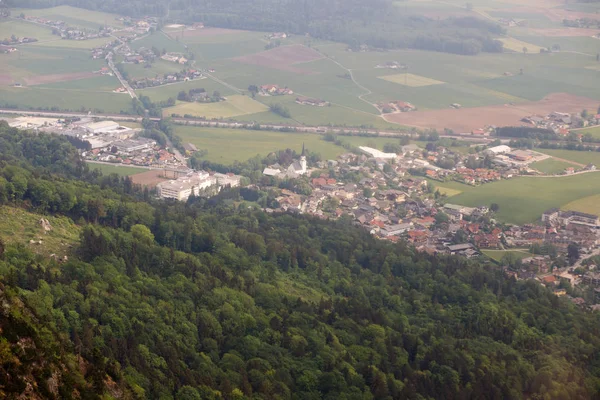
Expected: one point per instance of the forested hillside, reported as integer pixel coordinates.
(215, 300)
(375, 23)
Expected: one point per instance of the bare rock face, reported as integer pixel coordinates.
(45, 225)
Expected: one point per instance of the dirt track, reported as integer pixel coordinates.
(468, 119)
(148, 178)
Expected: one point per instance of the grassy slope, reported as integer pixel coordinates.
(19, 226)
(524, 199)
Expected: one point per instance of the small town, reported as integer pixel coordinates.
(392, 194)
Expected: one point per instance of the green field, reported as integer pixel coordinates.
(579, 157)
(25, 29)
(551, 166)
(77, 17)
(411, 80)
(590, 205)
(228, 145)
(64, 99)
(497, 255)
(160, 93)
(594, 131)
(233, 106)
(524, 199)
(121, 170)
(435, 79)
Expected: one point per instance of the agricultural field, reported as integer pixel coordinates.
(519, 46)
(594, 131)
(19, 227)
(492, 87)
(75, 100)
(25, 29)
(590, 205)
(225, 146)
(411, 80)
(576, 157)
(524, 199)
(160, 93)
(551, 166)
(234, 106)
(121, 170)
(77, 17)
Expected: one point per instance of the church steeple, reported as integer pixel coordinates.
(303, 152)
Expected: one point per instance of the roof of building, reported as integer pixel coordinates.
(460, 247)
(102, 125)
(376, 153)
(499, 149)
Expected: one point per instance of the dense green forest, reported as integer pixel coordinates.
(211, 299)
(375, 23)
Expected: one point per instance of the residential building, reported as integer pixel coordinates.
(182, 188)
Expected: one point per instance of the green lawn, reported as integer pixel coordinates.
(228, 145)
(524, 199)
(107, 169)
(551, 166)
(497, 255)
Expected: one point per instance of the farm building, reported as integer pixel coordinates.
(502, 149)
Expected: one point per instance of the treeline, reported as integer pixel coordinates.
(212, 299)
(380, 24)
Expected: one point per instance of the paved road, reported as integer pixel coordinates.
(111, 65)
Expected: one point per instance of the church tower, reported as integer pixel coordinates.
(303, 161)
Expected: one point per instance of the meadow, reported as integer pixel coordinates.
(551, 166)
(161, 93)
(64, 99)
(234, 106)
(225, 146)
(524, 199)
(590, 205)
(579, 157)
(77, 17)
(120, 170)
(19, 227)
(594, 131)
